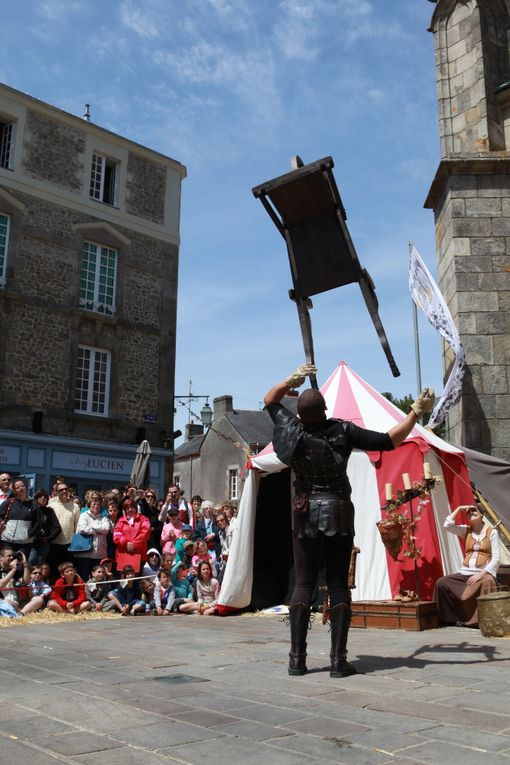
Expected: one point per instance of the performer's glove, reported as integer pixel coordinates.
(297, 378)
(424, 403)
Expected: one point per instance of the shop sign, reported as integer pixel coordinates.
(92, 463)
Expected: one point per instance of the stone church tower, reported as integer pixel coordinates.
(470, 196)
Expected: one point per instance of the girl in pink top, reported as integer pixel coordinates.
(202, 555)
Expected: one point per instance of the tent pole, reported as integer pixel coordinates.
(417, 347)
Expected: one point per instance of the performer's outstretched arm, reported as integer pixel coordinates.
(424, 403)
(276, 393)
(295, 380)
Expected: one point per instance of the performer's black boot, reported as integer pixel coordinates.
(340, 619)
(299, 617)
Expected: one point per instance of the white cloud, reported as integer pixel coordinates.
(249, 76)
(58, 10)
(141, 20)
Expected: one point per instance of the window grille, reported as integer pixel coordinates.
(98, 272)
(92, 381)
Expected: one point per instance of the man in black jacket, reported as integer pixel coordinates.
(20, 521)
(318, 451)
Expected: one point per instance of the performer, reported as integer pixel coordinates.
(456, 595)
(318, 450)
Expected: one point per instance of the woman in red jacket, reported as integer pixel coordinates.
(131, 535)
(68, 596)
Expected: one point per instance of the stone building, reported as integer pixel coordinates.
(212, 464)
(89, 245)
(470, 196)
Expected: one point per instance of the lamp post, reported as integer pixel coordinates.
(205, 417)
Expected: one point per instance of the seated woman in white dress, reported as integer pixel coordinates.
(456, 595)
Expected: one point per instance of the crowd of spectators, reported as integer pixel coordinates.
(126, 551)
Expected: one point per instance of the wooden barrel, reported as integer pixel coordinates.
(494, 614)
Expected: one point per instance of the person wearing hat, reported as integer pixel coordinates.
(318, 450)
(180, 544)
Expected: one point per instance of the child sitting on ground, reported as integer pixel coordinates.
(127, 596)
(153, 564)
(208, 590)
(183, 602)
(167, 562)
(107, 564)
(164, 594)
(147, 587)
(97, 589)
(39, 590)
(68, 596)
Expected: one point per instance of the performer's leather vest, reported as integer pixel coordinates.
(320, 465)
(480, 546)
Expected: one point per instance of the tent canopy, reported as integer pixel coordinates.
(379, 577)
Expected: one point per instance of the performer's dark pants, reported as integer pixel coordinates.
(337, 555)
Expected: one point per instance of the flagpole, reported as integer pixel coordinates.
(416, 339)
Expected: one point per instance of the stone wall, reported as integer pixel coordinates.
(469, 68)
(470, 197)
(53, 151)
(473, 246)
(145, 188)
(44, 325)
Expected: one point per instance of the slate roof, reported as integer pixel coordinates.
(254, 426)
(189, 448)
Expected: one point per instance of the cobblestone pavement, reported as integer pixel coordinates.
(191, 689)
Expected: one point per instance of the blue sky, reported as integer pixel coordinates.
(233, 89)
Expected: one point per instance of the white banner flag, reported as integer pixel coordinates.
(428, 298)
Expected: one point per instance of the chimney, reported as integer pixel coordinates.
(193, 429)
(222, 405)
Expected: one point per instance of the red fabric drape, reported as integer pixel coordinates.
(408, 458)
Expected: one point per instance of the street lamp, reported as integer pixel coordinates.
(205, 417)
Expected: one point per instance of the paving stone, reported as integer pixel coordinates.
(158, 705)
(489, 742)
(444, 751)
(235, 751)
(423, 710)
(254, 731)
(165, 734)
(205, 717)
(271, 715)
(387, 740)
(10, 711)
(77, 742)
(19, 752)
(126, 755)
(333, 749)
(434, 693)
(34, 727)
(117, 720)
(320, 726)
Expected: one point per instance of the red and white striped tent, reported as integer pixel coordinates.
(378, 576)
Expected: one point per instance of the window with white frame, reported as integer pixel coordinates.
(92, 381)
(7, 129)
(98, 273)
(103, 179)
(233, 483)
(4, 243)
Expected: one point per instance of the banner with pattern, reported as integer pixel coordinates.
(428, 298)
